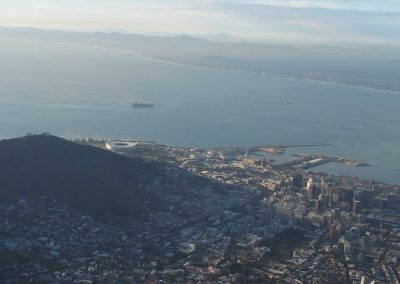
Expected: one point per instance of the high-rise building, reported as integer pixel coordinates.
(348, 195)
(310, 184)
(324, 186)
(285, 213)
(356, 206)
(298, 180)
(364, 280)
(332, 231)
(314, 191)
(337, 214)
(323, 201)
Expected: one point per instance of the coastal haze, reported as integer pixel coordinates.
(211, 141)
(83, 85)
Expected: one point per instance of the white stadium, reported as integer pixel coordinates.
(120, 146)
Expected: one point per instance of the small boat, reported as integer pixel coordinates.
(289, 101)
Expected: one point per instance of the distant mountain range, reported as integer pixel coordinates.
(373, 66)
(90, 179)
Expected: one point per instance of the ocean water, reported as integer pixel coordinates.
(78, 91)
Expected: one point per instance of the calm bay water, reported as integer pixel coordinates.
(76, 91)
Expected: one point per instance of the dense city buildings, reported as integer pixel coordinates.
(230, 217)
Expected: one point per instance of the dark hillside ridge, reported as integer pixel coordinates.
(87, 178)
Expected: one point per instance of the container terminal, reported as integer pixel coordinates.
(301, 161)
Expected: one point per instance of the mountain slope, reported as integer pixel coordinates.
(87, 178)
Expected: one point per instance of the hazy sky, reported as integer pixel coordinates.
(376, 21)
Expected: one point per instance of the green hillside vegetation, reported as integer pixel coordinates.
(99, 182)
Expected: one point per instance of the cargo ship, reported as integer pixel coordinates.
(142, 105)
(353, 163)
